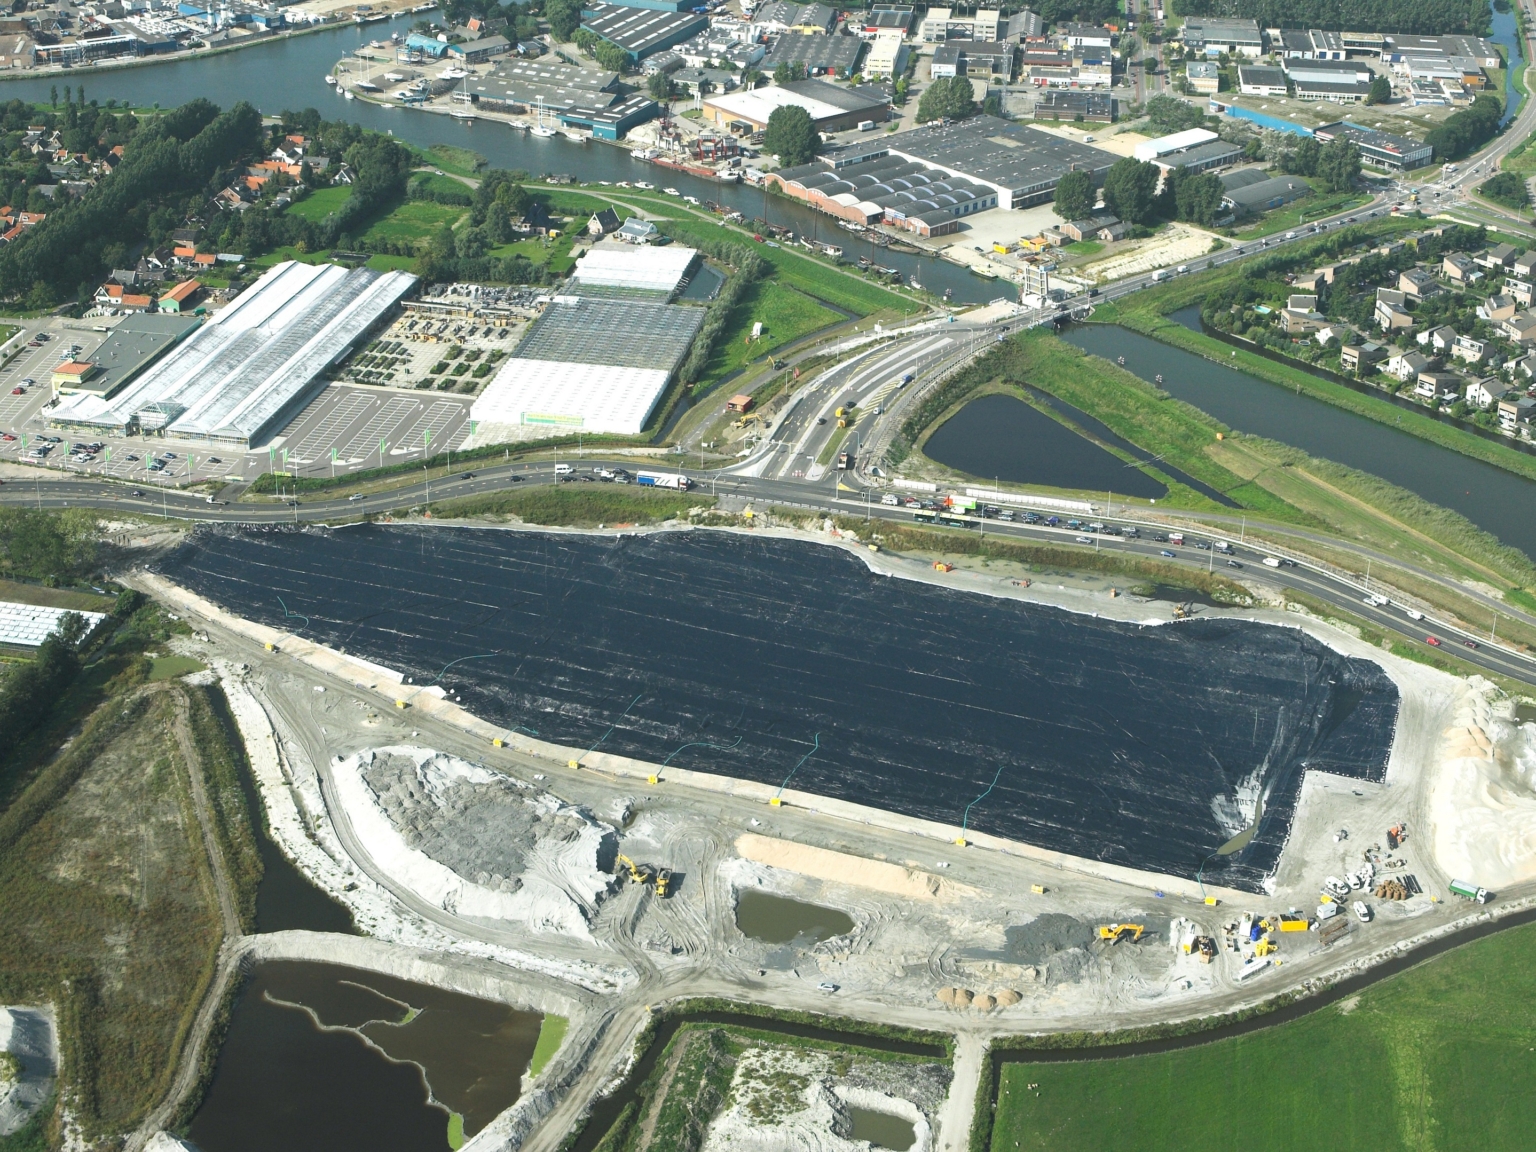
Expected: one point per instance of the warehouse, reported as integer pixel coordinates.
(831, 108)
(1379, 149)
(248, 370)
(641, 32)
(610, 121)
(817, 53)
(1213, 37)
(514, 85)
(1177, 142)
(656, 273)
(903, 193)
(1255, 80)
(1021, 164)
(1252, 199)
(1075, 104)
(594, 365)
(135, 343)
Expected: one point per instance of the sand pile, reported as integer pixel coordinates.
(842, 868)
(1482, 799)
(477, 843)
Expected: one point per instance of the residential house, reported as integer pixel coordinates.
(1392, 317)
(1334, 332)
(1390, 249)
(1497, 258)
(181, 297)
(637, 231)
(1418, 282)
(1359, 357)
(1522, 366)
(1406, 366)
(1519, 290)
(1486, 392)
(603, 223)
(1521, 327)
(1301, 303)
(1438, 387)
(1391, 296)
(1497, 307)
(1470, 350)
(1525, 266)
(1515, 416)
(1438, 339)
(1299, 321)
(1458, 268)
(1309, 281)
(1087, 229)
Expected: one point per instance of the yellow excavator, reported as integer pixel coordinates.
(1114, 933)
(658, 878)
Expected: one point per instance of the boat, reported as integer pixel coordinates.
(984, 273)
(1120, 360)
(368, 86)
(572, 134)
(913, 284)
(330, 80)
(540, 129)
(833, 250)
(459, 114)
(949, 293)
(454, 74)
(1158, 378)
(645, 153)
(645, 185)
(348, 95)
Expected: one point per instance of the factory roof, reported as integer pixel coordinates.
(240, 371)
(659, 269)
(594, 397)
(996, 151)
(821, 101)
(1162, 145)
(617, 333)
(135, 343)
(516, 81)
(641, 31)
(814, 50)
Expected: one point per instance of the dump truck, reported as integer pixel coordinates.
(648, 875)
(1469, 891)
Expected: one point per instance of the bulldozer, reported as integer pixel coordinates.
(648, 874)
(1114, 933)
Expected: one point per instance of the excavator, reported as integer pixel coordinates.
(658, 878)
(1114, 933)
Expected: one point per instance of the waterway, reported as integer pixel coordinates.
(1002, 438)
(290, 74)
(1506, 34)
(320, 1057)
(763, 659)
(1493, 499)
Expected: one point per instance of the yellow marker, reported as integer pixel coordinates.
(1037, 889)
(1211, 900)
(269, 646)
(572, 764)
(775, 802)
(400, 704)
(960, 841)
(651, 779)
(498, 742)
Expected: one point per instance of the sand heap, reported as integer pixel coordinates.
(475, 842)
(1482, 801)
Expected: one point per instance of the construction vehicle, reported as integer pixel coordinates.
(1469, 891)
(663, 882)
(1114, 933)
(1183, 611)
(648, 874)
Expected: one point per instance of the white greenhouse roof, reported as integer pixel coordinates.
(235, 376)
(651, 269)
(565, 395)
(28, 625)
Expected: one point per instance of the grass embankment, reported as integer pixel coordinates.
(786, 315)
(455, 160)
(551, 1036)
(107, 890)
(1432, 1058)
(19, 593)
(577, 505)
(1313, 207)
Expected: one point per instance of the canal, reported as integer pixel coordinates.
(1493, 499)
(290, 74)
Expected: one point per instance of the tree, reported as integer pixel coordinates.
(611, 56)
(992, 105)
(660, 87)
(1074, 195)
(1506, 188)
(1129, 188)
(564, 18)
(1339, 165)
(947, 99)
(1197, 197)
(791, 135)
(1169, 114)
(1381, 91)
(1302, 159)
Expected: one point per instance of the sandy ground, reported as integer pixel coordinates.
(1176, 244)
(29, 1033)
(929, 915)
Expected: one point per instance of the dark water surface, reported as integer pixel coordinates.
(282, 1082)
(290, 74)
(882, 1129)
(1498, 501)
(780, 920)
(1004, 438)
(1143, 746)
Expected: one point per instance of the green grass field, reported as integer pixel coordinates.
(551, 1036)
(321, 203)
(413, 220)
(432, 182)
(1312, 207)
(785, 314)
(1440, 1057)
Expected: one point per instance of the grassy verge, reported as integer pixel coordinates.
(1431, 1054)
(577, 505)
(551, 1036)
(1313, 207)
(458, 161)
(785, 314)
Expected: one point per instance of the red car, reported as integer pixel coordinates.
(1470, 643)
(1432, 640)
(7, 437)
(18, 391)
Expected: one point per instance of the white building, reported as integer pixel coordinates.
(1151, 149)
(887, 56)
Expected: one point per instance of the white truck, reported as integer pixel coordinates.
(663, 480)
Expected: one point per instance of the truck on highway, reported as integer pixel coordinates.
(1175, 537)
(663, 480)
(1160, 274)
(1271, 562)
(1469, 891)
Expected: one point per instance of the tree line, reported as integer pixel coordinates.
(1412, 17)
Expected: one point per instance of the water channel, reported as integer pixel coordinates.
(1493, 499)
(320, 1056)
(290, 74)
(1506, 34)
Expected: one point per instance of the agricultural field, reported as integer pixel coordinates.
(1438, 1057)
(412, 221)
(321, 203)
(785, 314)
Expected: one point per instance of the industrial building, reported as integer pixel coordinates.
(610, 121)
(1204, 76)
(1162, 145)
(817, 53)
(1212, 37)
(1021, 164)
(595, 365)
(887, 56)
(1075, 104)
(903, 193)
(1257, 80)
(830, 107)
(1262, 195)
(514, 85)
(134, 344)
(1379, 149)
(243, 374)
(642, 32)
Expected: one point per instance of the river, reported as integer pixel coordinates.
(290, 74)
(1506, 34)
(1493, 499)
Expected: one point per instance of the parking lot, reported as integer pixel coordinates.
(344, 428)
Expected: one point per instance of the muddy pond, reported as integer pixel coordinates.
(320, 1057)
(780, 920)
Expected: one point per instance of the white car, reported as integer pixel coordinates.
(826, 986)
(1362, 911)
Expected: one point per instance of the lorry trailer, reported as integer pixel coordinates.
(1469, 891)
(663, 480)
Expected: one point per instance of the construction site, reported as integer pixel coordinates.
(622, 874)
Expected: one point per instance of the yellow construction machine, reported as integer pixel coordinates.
(648, 874)
(1114, 933)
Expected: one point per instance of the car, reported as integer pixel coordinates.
(1084, 539)
(132, 457)
(214, 500)
(214, 460)
(18, 391)
(1233, 564)
(466, 475)
(1202, 545)
(563, 469)
(137, 493)
(170, 455)
(821, 419)
(1470, 643)
(517, 479)
(1166, 553)
(7, 437)
(27, 381)
(354, 496)
(1362, 911)
(293, 503)
(826, 986)
(1433, 641)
